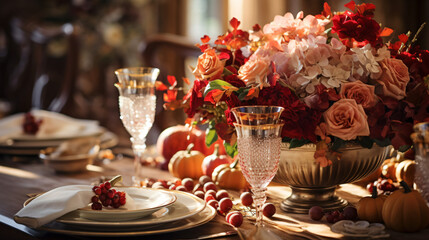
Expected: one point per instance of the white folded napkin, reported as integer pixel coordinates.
(53, 204)
(54, 125)
(57, 202)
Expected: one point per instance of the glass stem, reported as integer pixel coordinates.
(139, 147)
(259, 198)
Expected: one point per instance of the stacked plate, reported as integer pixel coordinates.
(154, 208)
(54, 129)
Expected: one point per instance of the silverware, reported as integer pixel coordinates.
(215, 235)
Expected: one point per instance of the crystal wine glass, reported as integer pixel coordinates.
(420, 138)
(137, 103)
(258, 141)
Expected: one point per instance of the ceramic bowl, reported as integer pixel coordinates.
(70, 162)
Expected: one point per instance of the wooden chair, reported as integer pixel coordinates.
(36, 77)
(171, 54)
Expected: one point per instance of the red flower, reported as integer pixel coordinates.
(354, 26)
(232, 102)
(377, 121)
(321, 100)
(195, 97)
(235, 59)
(235, 81)
(300, 120)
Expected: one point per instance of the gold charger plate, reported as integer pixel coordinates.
(196, 220)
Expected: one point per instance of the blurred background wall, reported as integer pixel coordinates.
(61, 55)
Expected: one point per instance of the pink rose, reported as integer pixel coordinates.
(209, 66)
(362, 93)
(394, 78)
(346, 119)
(254, 71)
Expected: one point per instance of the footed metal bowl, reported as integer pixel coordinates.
(313, 185)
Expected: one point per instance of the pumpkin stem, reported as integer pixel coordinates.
(189, 148)
(216, 150)
(234, 164)
(399, 157)
(407, 189)
(374, 192)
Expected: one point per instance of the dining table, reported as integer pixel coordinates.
(24, 176)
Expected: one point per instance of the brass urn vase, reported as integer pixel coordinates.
(313, 185)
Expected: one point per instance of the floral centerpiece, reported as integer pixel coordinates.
(333, 73)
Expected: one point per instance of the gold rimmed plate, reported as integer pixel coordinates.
(204, 216)
(185, 206)
(146, 201)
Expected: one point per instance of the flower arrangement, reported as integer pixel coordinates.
(333, 73)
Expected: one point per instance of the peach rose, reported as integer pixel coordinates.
(209, 66)
(346, 119)
(394, 78)
(362, 93)
(254, 71)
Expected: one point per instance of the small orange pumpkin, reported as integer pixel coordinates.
(405, 171)
(370, 208)
(388, 168)
(186, 163)
(405, 210)
(229, 176)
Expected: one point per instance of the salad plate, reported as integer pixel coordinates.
(143, 202)
(185, 206)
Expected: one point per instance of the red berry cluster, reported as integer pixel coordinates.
(30, 125)
(384, 186)
(218, 199)
(106, 196)
(349, 213)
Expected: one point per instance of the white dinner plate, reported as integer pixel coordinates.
(54, 126)
(146, 201)
(185, 206)
(107, 140)
(196, 220)
(86, 130)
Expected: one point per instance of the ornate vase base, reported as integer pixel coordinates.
(302, 199)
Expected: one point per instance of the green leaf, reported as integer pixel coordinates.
(230, 150)
(242, 93)
(295, 142)
(337, 143)
(211, 137)
(366, 142)
(226, 72)
(382, 143)
(404, 148)
(216, 84)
